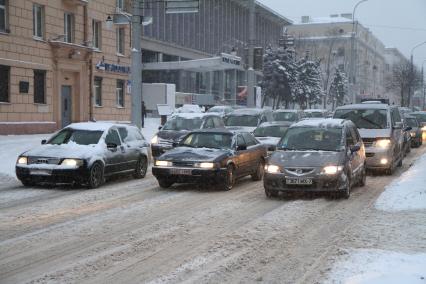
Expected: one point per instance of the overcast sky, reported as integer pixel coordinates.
(397, 23)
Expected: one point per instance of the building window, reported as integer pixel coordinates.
(120, 5)
(3, 15)
(97, 29)
(120, 41)
(120, 93)
(98, 91)
(38, 21)
(69, 27)
(341, 51)
(4, 83)
(39, 86)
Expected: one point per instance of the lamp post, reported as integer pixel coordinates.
(251, 41)
(352, 60)
(423, 84)
(412, 71)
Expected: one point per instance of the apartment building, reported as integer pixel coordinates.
(57, 55)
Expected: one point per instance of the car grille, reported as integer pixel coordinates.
(165, 143)
(368, 142)
(369, 155)
(183, 164)
(300, 171)
(43, 160)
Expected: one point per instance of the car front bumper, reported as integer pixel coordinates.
(52, 175)
(190, 175)
(375, 156)
(320, 183)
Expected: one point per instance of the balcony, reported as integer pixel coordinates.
(77, 2)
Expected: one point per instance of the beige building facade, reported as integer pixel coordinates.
(330, 40)
(60, 64)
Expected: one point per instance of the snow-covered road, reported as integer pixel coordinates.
(131, 231)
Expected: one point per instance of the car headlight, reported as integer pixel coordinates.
(163, 163)
(72, 162)
(383, 143)
(413, 134)
(205, 165)
(154, 139)
(424, 128)
(332, 170)
(22, 161)
(272, 169)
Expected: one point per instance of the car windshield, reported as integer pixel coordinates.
(208, 140)
(312, 138)
(284, 116)
(241, 120)
(421, 117)
(364, 118)
(183, 123)
(412, 122)
(81, 137)
(270, 131)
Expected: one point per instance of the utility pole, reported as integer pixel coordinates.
(136, 69)
(252, 39)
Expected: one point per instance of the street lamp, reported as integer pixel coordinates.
(412, 70)
(423, 84)
(353, 35)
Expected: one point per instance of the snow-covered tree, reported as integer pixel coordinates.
(279, 75)
(309, 84)
(338, 88)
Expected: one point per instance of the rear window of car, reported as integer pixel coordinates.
(183, 123)
(284, 116)
(270, 131)
(242, 120)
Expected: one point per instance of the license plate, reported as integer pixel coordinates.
(40, 172)
(186, 172)
(298, 181)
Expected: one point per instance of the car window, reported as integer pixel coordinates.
(133, 134)
(209, 123)
(179, 123)
(123, 133)
(396, 117)
(250, 140)
(77, 136)
(365, 118)
(241, 120)
(208, 140)
(240, 140)
(355, 133)
(312, 138)
(349, 137)
(218, 123)
(285, 116)
(112, 137)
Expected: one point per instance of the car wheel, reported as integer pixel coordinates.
(258, 175)
(363, 179)
(347, 190)
(270, 193)
(141, 168)
(26, 182)
(165, 182)
(96, 176)
(229, 179)
(408, 148)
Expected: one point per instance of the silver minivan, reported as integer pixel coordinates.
(381, 129)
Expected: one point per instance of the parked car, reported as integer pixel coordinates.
(85, 153)
(421, 118)
(247, 118)
(381, 129)
(178, 126)
(288, 115)
(221, 110)
(270, 133)
(211, 156)
(415, 132)
(189, 108)
(316, 113)
(317, 156)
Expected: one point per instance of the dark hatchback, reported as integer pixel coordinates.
(211, 156)
(85, 153)
(317, 156)
(178, 126)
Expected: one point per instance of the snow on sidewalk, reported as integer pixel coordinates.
(369, 266)
(11, 146)
(408, 192)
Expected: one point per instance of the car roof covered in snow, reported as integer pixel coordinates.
(275, 123)
(93, 126)
(247, 111)
(190, 115)
(287, 110)
(321, 123)
(220, 130)
(365, 106)
(315, 110)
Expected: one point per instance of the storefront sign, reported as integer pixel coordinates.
(113, 67)
(234, 60)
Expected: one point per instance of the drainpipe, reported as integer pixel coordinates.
(86, 25)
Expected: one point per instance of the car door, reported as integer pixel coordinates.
(114, 156)
(350, 142)
(254, 152)
(131, 153)
(241, 156)
(397, 134)
(359, 156)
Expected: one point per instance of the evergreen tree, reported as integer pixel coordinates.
(338, 89)
(309, 83)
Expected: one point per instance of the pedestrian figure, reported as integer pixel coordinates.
(143, 114)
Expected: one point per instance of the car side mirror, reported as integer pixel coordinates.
(44, 141)
(408, 128)
(159, 127)
(241, 148)
(112, 147)
(175, 144)
(355, 148)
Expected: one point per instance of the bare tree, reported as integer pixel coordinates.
(402, 79)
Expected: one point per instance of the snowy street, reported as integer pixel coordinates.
(131, 231)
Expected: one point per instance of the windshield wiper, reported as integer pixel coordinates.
(372, 122)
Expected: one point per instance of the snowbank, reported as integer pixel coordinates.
(379, 267)
(408, 192)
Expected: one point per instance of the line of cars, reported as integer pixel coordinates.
(292, 153)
